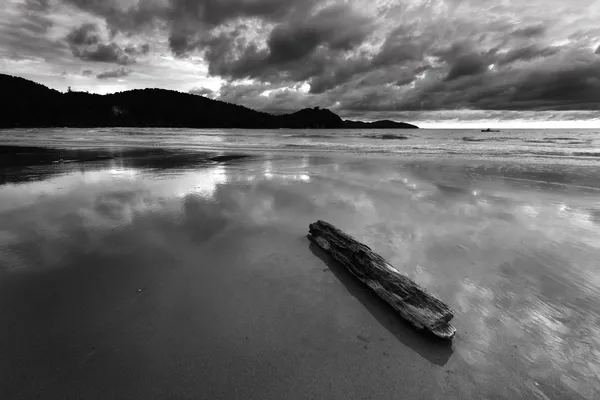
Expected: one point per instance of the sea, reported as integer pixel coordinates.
(570, 145)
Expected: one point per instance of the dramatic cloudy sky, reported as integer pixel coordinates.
(450, 61)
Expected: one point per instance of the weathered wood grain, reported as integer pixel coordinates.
(423, 310)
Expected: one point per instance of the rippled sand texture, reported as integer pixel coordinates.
(160, 280)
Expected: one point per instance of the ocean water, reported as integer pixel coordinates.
(579, 146)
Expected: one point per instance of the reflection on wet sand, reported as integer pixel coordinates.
(22, 164)
(154, 274)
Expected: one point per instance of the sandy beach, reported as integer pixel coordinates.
(299, 199)
(188, 275)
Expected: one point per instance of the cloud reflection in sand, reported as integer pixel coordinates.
(205, 182)
(519, 266)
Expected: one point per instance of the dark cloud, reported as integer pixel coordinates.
(109, 53)
(400, 59)
(405, 80)
(597, 50)
(115, 73)
(403, 45)
(87, 72)
(463, 60)
(339, 73)
(530, 31)
(337, 27)
(467, 65)
(575, 86)
(296, 50)
(527, 53)
(86, 44)
(84, 35)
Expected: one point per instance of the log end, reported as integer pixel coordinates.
(444, 331)
(321, 242)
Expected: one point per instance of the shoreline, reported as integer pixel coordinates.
(13, 155)
(46, 160)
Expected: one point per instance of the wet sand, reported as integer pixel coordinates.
(184, 276)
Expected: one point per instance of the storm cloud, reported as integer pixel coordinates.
(527, 53)
(86, 44)
(362, 56)
(530, 31)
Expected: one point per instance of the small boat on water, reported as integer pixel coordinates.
(490, 130)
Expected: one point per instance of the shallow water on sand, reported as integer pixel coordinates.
(145, 279)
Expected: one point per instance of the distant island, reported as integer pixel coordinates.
(27, 104)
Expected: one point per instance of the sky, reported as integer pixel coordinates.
(439, 63)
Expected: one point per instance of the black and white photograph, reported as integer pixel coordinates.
(300, 199)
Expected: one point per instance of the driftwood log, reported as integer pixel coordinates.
(412, 302)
